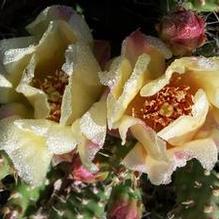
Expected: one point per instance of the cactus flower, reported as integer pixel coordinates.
(47, 82)
(169, 114)
(182, 30)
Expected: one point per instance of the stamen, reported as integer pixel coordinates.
(53, 86)
(159, 110)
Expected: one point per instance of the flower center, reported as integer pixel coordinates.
(54, 86)
(159, 110)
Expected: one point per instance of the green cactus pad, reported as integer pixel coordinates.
(22, 197)
(197, 193)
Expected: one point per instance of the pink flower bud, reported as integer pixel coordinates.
(124, 203)
(125, 209)
(183, 30)
(81, 174)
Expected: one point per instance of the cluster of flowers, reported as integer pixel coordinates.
(58, 100)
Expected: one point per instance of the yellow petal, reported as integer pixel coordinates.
(53, 44)
(137, 44)
(37, 98)
(87, 150)
(215, 113)
(160, 171)
(67, 14)
(85, 147)
(200, 72)
(125, 124)
(152, 143)
(214, 134)
(156, 85)
(136, 159)
(14, 50)
(90, 132)
(14, 56)
(117, 107)
(7, 91)
(119, 72)
(205, 73)
(204, 150)
(50, 49)
(15, 43)
(84, 87)
(210, 127)
(183, 129)
(28, 151)
(93, 123)
(58, 138)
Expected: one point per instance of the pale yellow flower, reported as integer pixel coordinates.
(165, 110)
(51, 80)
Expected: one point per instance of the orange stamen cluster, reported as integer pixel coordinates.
(159, 110)
(54, 86)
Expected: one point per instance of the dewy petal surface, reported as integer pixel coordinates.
(83, 147)
(150, 141)
(117, 106)
(58, 138)
(138, 43)
(36, 97)
(125, 124)
(90, 132)
(93, 123)
(31, 143)
(142, 59)
(159, 154)
(119, 72)
(201, 72)
(204, 150)
(84, 87)
(28, 151)
(50, 49)
(136, 159)
(160, 171)
(15, 53)
(153, 144)
(58, 12)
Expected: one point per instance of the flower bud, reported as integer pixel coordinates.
(81, 174)
(126, 209)
(124, 203)
(183, 30)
